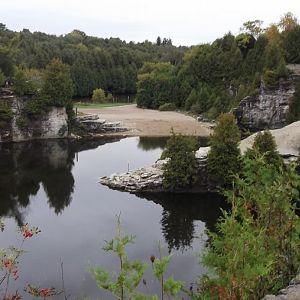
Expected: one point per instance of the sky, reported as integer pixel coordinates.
(186, 22)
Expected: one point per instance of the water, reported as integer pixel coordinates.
(53, 185)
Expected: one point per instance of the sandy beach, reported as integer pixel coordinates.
(146, 122)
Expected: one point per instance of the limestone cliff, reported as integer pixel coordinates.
(266, 110)
(52, 124)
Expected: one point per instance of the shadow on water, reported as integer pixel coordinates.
(25, 167)
(180, 211)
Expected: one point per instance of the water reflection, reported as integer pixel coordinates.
(25, 167)
(180, 211)
(147, 143)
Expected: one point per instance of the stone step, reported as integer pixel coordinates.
(87, 117)
(96, 122)
(111, 124)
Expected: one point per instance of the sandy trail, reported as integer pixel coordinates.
(146, 122)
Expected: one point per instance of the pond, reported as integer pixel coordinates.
(54, 185)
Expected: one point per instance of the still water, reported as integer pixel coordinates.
(54, 185)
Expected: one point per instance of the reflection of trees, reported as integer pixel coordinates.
(180, 211)
(147, 143)
(26, 166)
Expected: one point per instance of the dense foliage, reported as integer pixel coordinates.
(224, 156)
(255, 251)
(110, 64)
(214, 77)
(181, 168)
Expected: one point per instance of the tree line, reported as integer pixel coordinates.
(110, 64)
(213, 78)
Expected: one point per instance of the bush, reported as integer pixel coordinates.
(224, 155)
(99, 96)
(270, 79)
(167, 107)
(181, 169)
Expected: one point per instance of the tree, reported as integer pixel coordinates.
(288, 22)
(2, 78)
(181, 168)
(291, 44)
(253, 28)
(58, 85)
(158, 41)
(224, 156)
(294, 105)
(255, 250)
(265, 144)
(98, 96)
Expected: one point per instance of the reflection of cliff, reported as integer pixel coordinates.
(24, 167)
(180, 211)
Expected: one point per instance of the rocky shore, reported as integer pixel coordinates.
(149, 179)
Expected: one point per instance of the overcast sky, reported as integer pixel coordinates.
(186, 22)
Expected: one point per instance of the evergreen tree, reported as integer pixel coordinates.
(181, 168)
(294, 105)
(58, 86)
(224, 155)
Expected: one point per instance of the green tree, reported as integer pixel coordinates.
(2, 78)
(291, 45)
(255, 250)
(294, 105)
(253, 27)
(265, 144)
(181, 168)
(98, 96)
(58, 85)
(224, 155)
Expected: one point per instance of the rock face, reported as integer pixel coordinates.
(266, 110)
(53, 124)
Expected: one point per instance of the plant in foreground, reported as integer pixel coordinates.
(124, 284)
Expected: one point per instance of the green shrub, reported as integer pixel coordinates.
(99, 96)
(181, 169)
(224, 155)
(167, 107)
(270, 79)
(35, 108)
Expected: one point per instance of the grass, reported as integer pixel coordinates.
(98, 105)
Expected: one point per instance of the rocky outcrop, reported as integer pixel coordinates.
(287, 140)
(149, 179)
(292, 292)
(266, 110)
(92, 124)
(51, 124)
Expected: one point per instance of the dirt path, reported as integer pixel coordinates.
(146, 122)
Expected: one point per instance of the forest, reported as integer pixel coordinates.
(205, 79)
